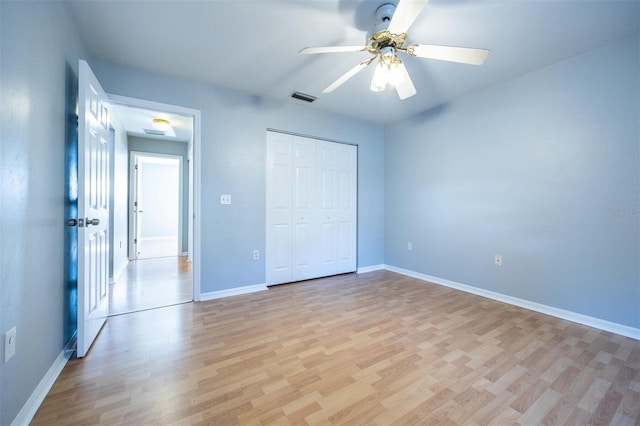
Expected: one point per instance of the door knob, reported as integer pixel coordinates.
(72, 222)
(92, 222)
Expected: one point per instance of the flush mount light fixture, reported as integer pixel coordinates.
(161, 124)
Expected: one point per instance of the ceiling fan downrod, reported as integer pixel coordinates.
(385, 12)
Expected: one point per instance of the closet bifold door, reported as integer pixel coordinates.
(279, 208)
(305, 255)
(311, 208)
(337, 171)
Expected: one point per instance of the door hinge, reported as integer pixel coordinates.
(135, 241)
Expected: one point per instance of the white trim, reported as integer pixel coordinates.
(197, 177)
(29, 409)
(233, 292)
(131, 196)
(621, 329)
(371, 268)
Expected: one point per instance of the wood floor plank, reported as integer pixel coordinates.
(376, 348)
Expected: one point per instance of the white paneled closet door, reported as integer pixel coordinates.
(311, 208)
(279, 207)
(337, 166)
(305, 210)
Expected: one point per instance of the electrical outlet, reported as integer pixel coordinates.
(9, 344)
(225, 199)
(409, 246)
(497, 260)
(256, 255)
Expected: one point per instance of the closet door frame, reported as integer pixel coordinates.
(294, 246)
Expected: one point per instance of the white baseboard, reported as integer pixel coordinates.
(232, 292)
(30, 408)
(623, 330)
(371, 268)
(117, 272)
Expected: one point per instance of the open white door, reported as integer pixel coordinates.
(93, 208)
(157, 215)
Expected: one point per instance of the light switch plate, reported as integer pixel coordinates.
(9, 344)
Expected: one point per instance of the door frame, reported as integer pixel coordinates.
(195, 183)
(133, 193)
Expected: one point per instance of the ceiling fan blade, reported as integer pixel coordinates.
(464, 55)
(346, 76)
(331, 49)
(406, 88)
(406, 12)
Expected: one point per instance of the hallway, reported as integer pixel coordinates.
(151, 283)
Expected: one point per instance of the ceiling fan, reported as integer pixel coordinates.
(386, 39)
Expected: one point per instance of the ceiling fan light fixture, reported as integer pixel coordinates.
(160, 124)
(388, 71)
(396, 75)
(380, 77)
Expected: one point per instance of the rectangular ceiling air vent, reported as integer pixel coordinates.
(154, 132)
(303, 97)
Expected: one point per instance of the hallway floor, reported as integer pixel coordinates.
(151, 283)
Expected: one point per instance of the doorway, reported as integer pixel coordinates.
(156, 204)
(158, 200)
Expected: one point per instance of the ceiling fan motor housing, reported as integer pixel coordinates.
(378, 37)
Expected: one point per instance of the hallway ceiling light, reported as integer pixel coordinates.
(161, 124)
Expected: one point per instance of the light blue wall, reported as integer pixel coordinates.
(543, 170)
(39, 45)
(233, 162)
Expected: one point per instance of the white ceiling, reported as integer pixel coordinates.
(136, 120)
(252, 45)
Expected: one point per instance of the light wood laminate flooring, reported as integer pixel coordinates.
(371, 349)
(151, 283)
